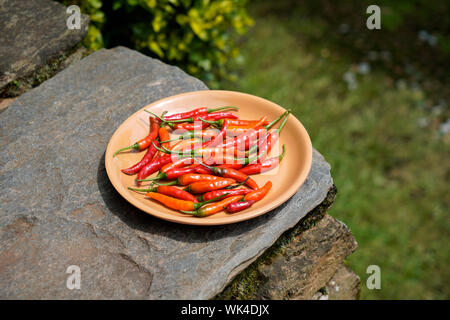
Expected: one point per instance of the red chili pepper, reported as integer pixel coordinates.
(260, 193)
(217, 139)
(232, 174)
(265, 144)
(196, 126)
(236, 166)
(144, 143)
(220, 115)
(190, 178)
(213, 208)
(239, 206)
(263, 166)
(169, 191)
(177, 163)
(204, 135)
(151, 151)
(205, 186)
(172, 174)
(228, 192)
(204, 152)
(195, 112)
(152, 167)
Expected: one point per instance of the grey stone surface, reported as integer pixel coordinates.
(307, 262)
(58, 207)
(32, 33)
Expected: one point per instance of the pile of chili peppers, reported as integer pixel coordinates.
(207, 167)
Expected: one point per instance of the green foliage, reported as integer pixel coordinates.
(197, 35)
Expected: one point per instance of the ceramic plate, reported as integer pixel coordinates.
(286, 179)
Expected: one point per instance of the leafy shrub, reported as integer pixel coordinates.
(197, 35)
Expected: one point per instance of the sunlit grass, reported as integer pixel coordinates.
(391, 175)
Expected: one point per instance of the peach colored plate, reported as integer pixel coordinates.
(286, 179)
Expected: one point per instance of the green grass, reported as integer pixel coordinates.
(392, 176)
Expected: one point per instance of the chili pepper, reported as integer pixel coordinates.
(190, 178)
(260, 193)
(204, 135)
(220, 115)
(204, 151)
(152, 167)
(177, 204)
(219, 159)
(205, 186)
(238, 184)
(217, 139)
(270, 139)
(178, 163)
(239, 206)
(230, 193)
(151, 151)
(161, 118)
(212, 116)
(163, 135)
(195, 112)
(192, 143)
(202, 170)
(233, 174)
(196, 126)
(213, 208)
(265, 165)
(145, 142)
(243, 141)
(236, 166)
(169, 191)
(233, 123)
(172, 174)
(248, 124)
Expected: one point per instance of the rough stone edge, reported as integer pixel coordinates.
(20, 85)
(245, 284)
(328, 292)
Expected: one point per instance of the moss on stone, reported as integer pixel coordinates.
(21, 85)
(245, 285)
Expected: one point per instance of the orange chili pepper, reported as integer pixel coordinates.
(213, 208)
(206, 186)
(145, 142)
(177, 204)
(260, 193)
(163, 136)
(189, 178)
(170, 191)
(232, 174)
(248, 124)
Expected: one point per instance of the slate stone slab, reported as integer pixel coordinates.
(32, 33)
(58, 207)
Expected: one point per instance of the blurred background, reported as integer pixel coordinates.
(375, 102)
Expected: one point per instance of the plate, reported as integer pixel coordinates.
(286, 179)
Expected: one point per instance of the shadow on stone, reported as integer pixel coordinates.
(144, 222)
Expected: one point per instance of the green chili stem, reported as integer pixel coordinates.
(160, 118)
(209, 110)
(134, 146)
(237, 185)
(143, 190)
